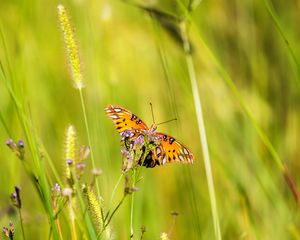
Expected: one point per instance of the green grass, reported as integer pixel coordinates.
(243, 67)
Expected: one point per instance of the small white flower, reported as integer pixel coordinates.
(67, 192)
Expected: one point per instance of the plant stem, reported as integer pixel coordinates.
(72, 216)
(202, 132)
(21, 223)
(132, 204)
(114, 190)
(110, 217)
(88, 135)
(114, 211)
(283, 35)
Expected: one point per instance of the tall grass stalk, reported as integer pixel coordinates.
(88, 136)
(281, 32)
(239, 97)
(72, 54)
(21, 223)
(263, 137)
(201, 128)
(37, 173)
(72, 218)
(87, 218)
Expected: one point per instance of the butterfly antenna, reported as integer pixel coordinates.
(152, 112)
(174, 119)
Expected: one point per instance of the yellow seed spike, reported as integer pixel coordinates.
(72, 51)
(70, 144)
(70, 152)
(94, 207)
(164, 236)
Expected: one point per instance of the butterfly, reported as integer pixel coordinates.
(168, 150)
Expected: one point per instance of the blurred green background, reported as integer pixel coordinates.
(122, 49)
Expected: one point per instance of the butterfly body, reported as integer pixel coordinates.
(165, 149)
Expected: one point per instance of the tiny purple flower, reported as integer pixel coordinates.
(124, 151)
(16, 198)
(139, 140)
(14, 195)
(9, 142)
(57, 188)
(81, 165)
(69, 161)
(21, 143)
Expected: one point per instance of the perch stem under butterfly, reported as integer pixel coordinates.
(114, 190)
(138, 150)
(132, 203)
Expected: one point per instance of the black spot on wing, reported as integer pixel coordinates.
(171, 140)
(133, 117)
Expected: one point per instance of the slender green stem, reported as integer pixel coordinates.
(110, 217)
(38, 170)
(114, 211)
(115, 189)
(202, 132)
(264, 138)
(72, 218)
(88, 222)
(132, 204)
(21, 223)
(281, 32)
(88, 135)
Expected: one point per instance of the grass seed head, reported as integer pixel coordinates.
(72, 52)
(164, 236)
(70, 152)
(71, 143)
(94, 207)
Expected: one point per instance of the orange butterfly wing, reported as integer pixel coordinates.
(169, 150)
(172, 150)
(124, 121)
